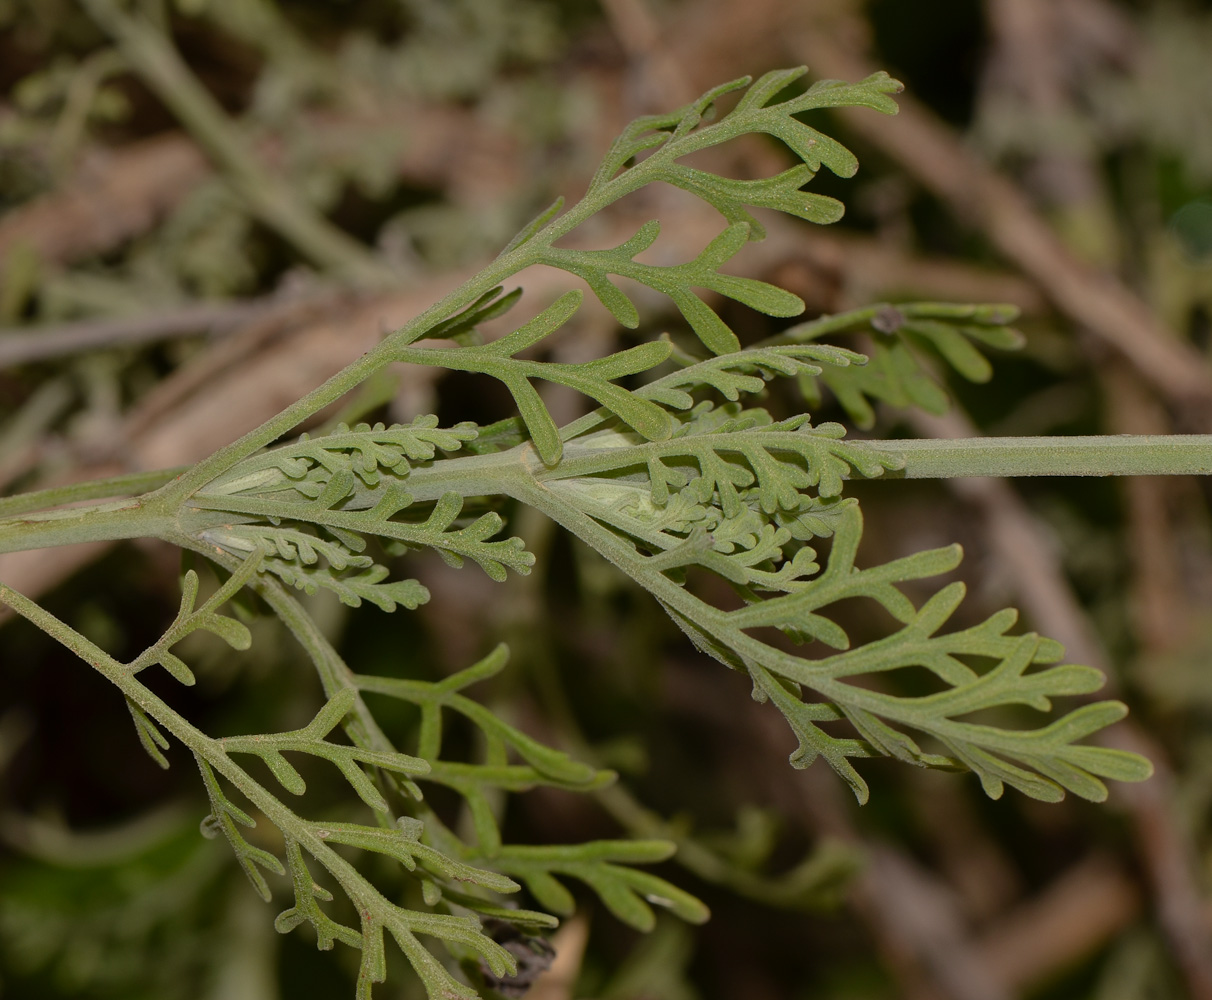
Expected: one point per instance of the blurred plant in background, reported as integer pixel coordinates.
(177, 260)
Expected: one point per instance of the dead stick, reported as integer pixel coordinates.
(25, 344)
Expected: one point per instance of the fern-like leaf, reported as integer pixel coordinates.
(367, 452)
(310, 740)
(541, 765)
(900, 341)
(719, 452)
(605, 866)
(676, 282)
(225, 818)
(437, 531)
(190, 619)
(593, 378)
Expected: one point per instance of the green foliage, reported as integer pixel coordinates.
(602, 865)
(897, 371)
(678, 475)
(593, 378)
(736, 514)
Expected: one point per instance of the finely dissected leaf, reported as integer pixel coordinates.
(535, 225)
(364, 451)
(651, 130)
(310, 740)
(668, 137)
(745, 371)
(437, 532)
(1016, 677)
(593, 378)
(293, 555)
(813, 741)
(602, 865)
(722, 517)
(899, 336)
(659, 479)
(352, 589)
(840, 579)
(681, 132)
(150, 737)
(550, 893)
(308, 896)
(781, 192)
(617, 885)
(989, 750)
(190, 619)
(676, 282)
(411, 853)
(223, 818)
(542, 765)
(488, 306)
(722, 456)
(377, 914)
(286, 544)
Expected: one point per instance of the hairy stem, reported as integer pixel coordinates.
(130, 484)
(956, 458)
(721, 626)
(1119, 455)
(133, 518)
(203, 746)
(535, 250)
(334, 673)
(308, 835)
(499, 473)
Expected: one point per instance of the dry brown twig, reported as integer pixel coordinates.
(118, 194)
(22, 345)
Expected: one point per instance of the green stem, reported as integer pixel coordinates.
(156, 514)
(957, 458)
(156, 708)
(1118, 455)
(530, 252)
(802, 333)
(117, 519)
(333, 671)
(348, 378)
(202, 746)
(131, 484)
(792, 890)
(717, 624)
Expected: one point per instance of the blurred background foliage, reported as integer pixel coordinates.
(169, 277)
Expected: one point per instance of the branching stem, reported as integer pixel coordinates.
(504, 472)
(202, 746)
